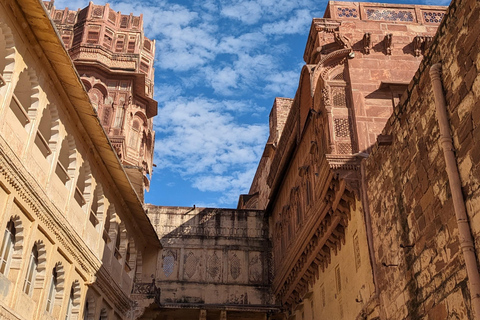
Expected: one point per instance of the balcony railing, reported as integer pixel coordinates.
(148, 290)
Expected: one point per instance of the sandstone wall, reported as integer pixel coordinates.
(420, 266)
(212, 257)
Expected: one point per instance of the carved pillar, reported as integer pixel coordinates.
(223, 315)
(203, 315)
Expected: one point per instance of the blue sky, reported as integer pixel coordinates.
(219, 65)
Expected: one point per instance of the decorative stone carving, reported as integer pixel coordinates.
(235, 268)
(388, 43)
(190, 266)
(367, 43)
(214, 266)
(326, 96)
(342, 40)
(255, 268)
(417, 45)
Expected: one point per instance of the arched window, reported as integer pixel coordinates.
(31, 271)
(52, 291)
(7, 51)
(25, 97)
(66, 160)
(73, 302)
(96, 97)
(7, 247)
(70, 305)
(47, 129)
(119, 114)
(84, 181)
(96, 210)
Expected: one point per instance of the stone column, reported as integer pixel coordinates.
(223, 315)
(203, 315)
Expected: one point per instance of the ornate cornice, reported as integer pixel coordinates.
(326, 236)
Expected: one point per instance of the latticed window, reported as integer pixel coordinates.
(119, 117)
(168, 264)
(93, 37)
(124, 22)
(339, 97)
(131, 46)
(134, 134)
(7, 247)
(31, 271)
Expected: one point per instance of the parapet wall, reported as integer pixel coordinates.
(213, 257)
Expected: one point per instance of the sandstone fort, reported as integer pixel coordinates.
(365, 203)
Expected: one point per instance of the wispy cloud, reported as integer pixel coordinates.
(219, 64)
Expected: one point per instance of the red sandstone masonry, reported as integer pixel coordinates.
(409, 195)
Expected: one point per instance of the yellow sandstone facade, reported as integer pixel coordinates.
(354, 211)
(74, 232)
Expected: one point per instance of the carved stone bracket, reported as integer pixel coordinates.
(388, 43)
(427, 42)
(367, 43)
(328, 238)
(417, 45)
(342, 40)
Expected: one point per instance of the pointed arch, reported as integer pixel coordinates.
(90, 306)
(67, 159)
(110, 225)
(97, 215)
(60, 283)
(86, 83)
(48, 130)
(42, 263)
(73, 307)
(131, 257)
(84, 185)
(7, 64)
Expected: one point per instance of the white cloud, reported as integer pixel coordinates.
(201, 140)
(297, 23)
(248, 12)
(198, 136)
(282, 82)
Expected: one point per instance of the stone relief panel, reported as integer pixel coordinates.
(170, 264)
(214, 266)
(236, 266)
(192, 266)
(255, 267)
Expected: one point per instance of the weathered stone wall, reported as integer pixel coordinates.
(212, 257)
(420, 265)
(259, 192)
